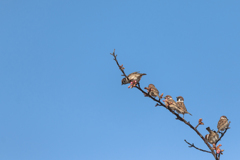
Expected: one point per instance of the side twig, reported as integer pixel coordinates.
(197, 126)
(192, 145)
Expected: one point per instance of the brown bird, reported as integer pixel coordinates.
(153, 91)
(133, 78)
(212, 137)
(181, 106)
(169, 102)
(222, 123)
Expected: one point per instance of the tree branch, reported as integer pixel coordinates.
(159, 103)
(192, 145)
(120, 67)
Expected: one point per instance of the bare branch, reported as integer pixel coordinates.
(192, 145)
(120, 67)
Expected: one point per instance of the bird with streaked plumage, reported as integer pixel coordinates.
(169, 102)
(222, 124)
(153, 91)
(212, 137)
(181, 109)
(133, 78)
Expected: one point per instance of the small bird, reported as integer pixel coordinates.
(169, 102)
(212, 137)
(181, 106)
(222, 123)
(153, 91)
(133, 78)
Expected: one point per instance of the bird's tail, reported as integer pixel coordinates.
(189, 113)
(208, 129)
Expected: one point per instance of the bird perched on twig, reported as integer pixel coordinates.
(169, 102)
(152, 90)
(133, 79)
(181, 106)
(222, 124)
(212, 137)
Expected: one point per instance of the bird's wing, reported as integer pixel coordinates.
(172, 101)
(133, 75)
(181, 106)
(220, 123)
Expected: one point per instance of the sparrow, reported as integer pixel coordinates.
(212, 137)
(169, 102)
(222, 123)
(181, 106)
(133, 78)
(153, 91)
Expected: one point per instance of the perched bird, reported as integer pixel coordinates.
(181, 106)
(212, 137)
(133, 78)
(169, 102)
(222, 123)
(153, 91)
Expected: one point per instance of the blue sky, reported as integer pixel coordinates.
(60, 90)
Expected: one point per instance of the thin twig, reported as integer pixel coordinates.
(161, 104)
(115, 58)
(197, 126)
(192, 145)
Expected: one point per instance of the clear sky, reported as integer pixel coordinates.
(61, 96)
